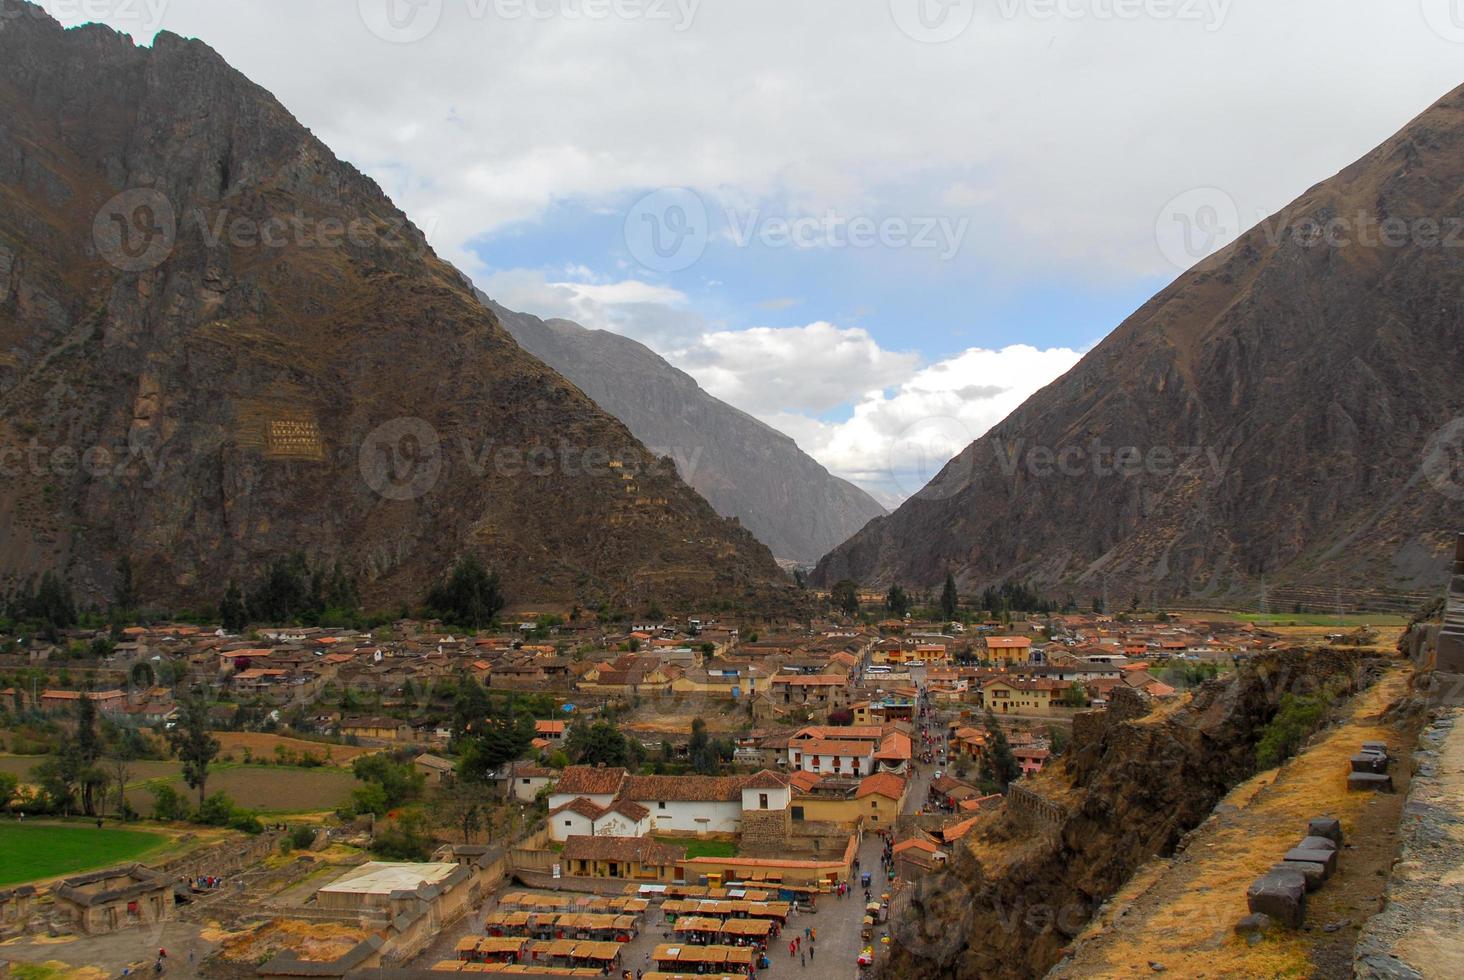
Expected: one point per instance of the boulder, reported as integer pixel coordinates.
(1373, 781)
(1328, 827)
(1314, 873)
(1318, 843)
(1255, 922)
(1327, 859)
(1279, 895)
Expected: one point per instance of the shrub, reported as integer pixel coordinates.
(217, 811)
(168, 803)
(1298, 717)
(302, 836)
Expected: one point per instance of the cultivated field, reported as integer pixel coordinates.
(263, 746)
(264, 789)
(37, 850)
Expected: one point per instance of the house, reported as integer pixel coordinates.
(1005, 695)
(106, 702)
(1031, 758)
(437, 769)
(832, 756)
(524, 781)
(630, 858)
(1007, 650)
(105, 901)
(829, 691)
(381, 729)
(880, 797)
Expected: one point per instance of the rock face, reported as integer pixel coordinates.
(744, 468)
(1296, 402)
(1131, 786)
(252, 352)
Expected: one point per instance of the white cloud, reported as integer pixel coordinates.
(905, 420)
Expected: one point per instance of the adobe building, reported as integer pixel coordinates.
(105, 901)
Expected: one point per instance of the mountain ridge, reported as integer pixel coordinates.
(1318, 373)
(268, 358)
(744, 468)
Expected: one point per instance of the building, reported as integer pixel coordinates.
(437, 769)
(381, 885)
(1009, 695)
(1007, 650)
(105, 901)
(630, 858)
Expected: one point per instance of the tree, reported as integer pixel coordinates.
(124, 595)
(126, 747)
(191, 740)
(950, 600)
(458, 808)
(845, 597)
(88, 748)
(596, 744)
(469, 596)
(9, 785)
(703, 758)
(168, 803)
(998, 765)
(1075, 696)
(233, 614)
(399, 781)
(495, 742)
(897, 602)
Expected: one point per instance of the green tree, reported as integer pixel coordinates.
(897, 603)
(233, 614)
(950, 600)
(168, 803)
(124, 595)
(469, 596)
(217, 810)
(1075, 696)
(596, 744)
(703, 755)
(845, 597)
(998, 765)
(194, 746)
(9, 785)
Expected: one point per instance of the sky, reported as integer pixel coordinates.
(877, 225)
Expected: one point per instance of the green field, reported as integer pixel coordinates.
(702, 848)
(34, 850)
(1344, 621)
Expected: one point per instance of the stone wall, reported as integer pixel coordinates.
(1127, 702)
(1033, 811)
(227, 857)
(1088, 727)
(769, 829)
(1450, 656)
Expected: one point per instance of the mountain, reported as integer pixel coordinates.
(1295, 401)
(744, 468)
(219, 345)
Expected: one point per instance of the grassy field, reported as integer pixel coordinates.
(1346, 621)
(264, 789)
(702, 848)
(263, 747)
(36, 850)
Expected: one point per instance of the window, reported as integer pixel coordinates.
(567, 823)
(661, 804)
(797, 813)
(762, 801)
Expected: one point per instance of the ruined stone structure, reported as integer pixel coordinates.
(105, 901)
(1036, 812)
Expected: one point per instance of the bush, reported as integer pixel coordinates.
(168, 803)
(245, 821)
(1298, 717)
(302, 836)
(217, 811)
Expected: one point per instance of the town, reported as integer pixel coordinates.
(710, 794)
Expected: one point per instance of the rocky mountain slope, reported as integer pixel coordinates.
(744, 468)
(220, 344)
(1294, 401)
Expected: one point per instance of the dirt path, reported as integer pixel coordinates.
(1179, 913)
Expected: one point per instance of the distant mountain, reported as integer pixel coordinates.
(744, 468)
(1296, 401)
(220, 345)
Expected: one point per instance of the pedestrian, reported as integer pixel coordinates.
(802, 961)
(810, 952)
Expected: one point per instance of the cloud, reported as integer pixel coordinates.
(900, 420)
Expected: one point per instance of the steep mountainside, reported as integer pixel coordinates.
(1295, 402)
(744, 468)
(252, 352)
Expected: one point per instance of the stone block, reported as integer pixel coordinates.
(1280, 896)
(1327, 859)
(1379, 747)
(1328, 827)
(1370, 781)
(1369, 762)
(1313, 873)
(1255, 922)
(1318, 843)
